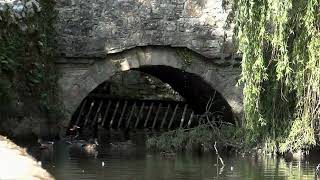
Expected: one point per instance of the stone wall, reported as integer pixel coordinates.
(94, 28)
(135, 84)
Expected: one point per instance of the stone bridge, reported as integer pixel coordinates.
(173, 40)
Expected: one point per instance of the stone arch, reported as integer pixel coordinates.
(80, 77)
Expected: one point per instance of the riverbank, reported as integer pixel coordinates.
(16, 163)
(226, 139)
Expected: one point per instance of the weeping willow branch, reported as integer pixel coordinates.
(280, 43)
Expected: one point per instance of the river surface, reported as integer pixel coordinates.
(138, 164)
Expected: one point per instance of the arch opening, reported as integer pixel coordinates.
(105, 107)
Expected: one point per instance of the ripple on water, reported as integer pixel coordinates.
(136, 164)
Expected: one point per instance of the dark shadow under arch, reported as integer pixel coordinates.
(192, 87)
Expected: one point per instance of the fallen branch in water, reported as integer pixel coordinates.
(211, 128)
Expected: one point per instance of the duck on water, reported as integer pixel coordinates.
(89, 146)
(45, 144)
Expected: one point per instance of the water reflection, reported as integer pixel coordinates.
(137, 164)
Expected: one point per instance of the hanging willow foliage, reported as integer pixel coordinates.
(280, 45)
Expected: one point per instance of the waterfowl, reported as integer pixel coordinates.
(74, 128)
(90, 146)
(87, 146)
(45, 144)
(297, 155)
(76, 143)
(167, 154)
(122, 145)
(74, 131)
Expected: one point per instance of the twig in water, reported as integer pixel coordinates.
(217, 153)
(218, 157)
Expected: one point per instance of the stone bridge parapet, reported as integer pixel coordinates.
(95, 28)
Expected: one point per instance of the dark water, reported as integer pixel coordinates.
(138, 164)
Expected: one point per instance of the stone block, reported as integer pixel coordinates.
(114, 19)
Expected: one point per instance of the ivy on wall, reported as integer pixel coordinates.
(27, 42)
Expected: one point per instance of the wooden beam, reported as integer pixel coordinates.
(106, 112)
(88, 114)
(139, 114)
(131, 114)
(183, 115)
(156, 117)
(97, 112)
(81, 110)
(173, 115)
(122, 113)
(148, 115)
(165, 116)
(114, 114)
(190, 119)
